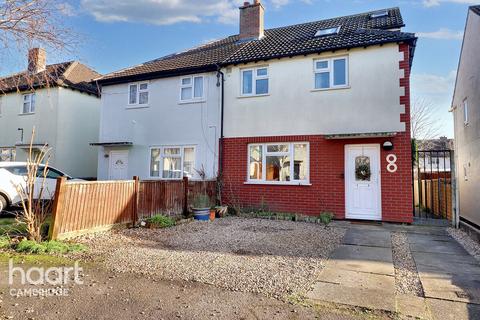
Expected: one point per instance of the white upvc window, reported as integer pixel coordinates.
(28, 103)
(172, 162)
(138, 94)
(331, 73)
(254, 81)
(192, 88)
(465, 112)
(279, 163)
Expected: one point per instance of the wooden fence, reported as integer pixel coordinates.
(82, 207)
(436, 195)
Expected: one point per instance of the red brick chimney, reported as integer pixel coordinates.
(251, 20)
(37, 60)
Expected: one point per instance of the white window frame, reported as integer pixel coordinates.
(330, 70)
(192, 86)
(465, 112)
(291, 150)
(31, 102)
(137, 98)
(255, 77)
(163, 155)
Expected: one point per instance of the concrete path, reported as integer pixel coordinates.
(361, 273)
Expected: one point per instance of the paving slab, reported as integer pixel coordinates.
(435, 259)
(422, 238)
(367, 298)
(372, 238)
(438, 247)
(354, 279)
(363, 259)
(462, 288)
(451, 310)
(412, 306)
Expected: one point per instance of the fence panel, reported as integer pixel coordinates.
(159, 196)
(81, 206)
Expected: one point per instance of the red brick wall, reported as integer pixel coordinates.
(327, 189)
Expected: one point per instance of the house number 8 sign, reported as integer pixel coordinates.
(392, 166)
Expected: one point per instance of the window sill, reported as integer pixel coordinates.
(274, 183)
(329, 89)
(253, 96)
(26, 114)
(137, 107)
(192, 101)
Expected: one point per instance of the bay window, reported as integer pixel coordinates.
(172, 162)
(278, 163)
(254, 81)
(331, 73)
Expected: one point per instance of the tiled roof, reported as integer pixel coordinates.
(355, 31)
(475, 9)
(70, 74)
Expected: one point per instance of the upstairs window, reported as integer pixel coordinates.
(331, 73)
(327, 32)
(191, 89)
(28, 103)
(138, 94)
(465, 112)
(254, 81)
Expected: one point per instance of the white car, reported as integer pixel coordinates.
(13, 175)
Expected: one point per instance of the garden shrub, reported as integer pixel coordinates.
(326, 217)
(161, 221)
(4, 242)
(29, 246)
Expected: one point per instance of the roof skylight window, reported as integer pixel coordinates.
(379, 14)
(327, 32)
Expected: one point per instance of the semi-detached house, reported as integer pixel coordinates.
(305, 118)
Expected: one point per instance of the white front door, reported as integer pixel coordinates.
(118, 168)
(362, 182)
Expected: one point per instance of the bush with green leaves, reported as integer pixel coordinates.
(161, 221)
(201, 201)
(30, 246)
(326, 217)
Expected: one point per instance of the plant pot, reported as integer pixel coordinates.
(221, 211)
(212, 214)
(201, 214)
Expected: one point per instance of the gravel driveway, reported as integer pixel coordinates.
(276, 258)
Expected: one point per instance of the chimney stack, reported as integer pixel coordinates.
(251, 20)
(37, 60)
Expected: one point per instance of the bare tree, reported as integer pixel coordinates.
(34, 22)
(424, 124)
(35, 201)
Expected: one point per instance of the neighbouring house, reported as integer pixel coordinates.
(435, 155)
(466, 115)
(63, 105)
(305, 118)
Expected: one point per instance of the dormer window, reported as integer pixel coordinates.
(379, 14)
(327, 32)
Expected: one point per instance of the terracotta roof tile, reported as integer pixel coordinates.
(355, 31)
(70, 74)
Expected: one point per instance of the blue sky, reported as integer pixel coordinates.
(122, 33)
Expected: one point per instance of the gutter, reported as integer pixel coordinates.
(221, 81)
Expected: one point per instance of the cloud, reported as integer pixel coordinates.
(163, 12)
(442, 34)
(433, 3)
(431, 84)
